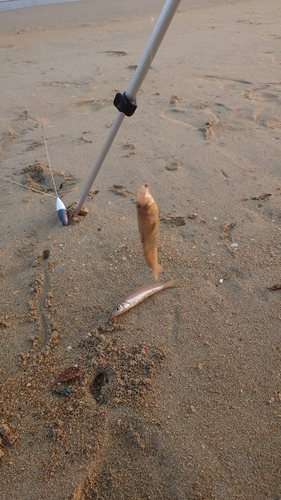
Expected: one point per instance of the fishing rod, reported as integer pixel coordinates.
(126, 103)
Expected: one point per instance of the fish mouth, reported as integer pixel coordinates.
(116, 313)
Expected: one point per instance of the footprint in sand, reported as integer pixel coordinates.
(37, 176)
(173, 221)
(116, 53)
(7, 137)
(88, 106)
(203, 120)
(124, 385)
(34, 145)
(18, 130)
(119, 189)
(228, 83)
(174, 165)
(30, 122)
(131, 439)
(133, 67)
(261, 111)
(270, 93)
(98, 387)
(216, 118)
(264, 101)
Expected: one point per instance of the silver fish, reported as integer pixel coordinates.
(134, 298)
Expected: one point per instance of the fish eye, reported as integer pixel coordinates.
(118, 308)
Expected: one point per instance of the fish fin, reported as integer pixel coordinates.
(156, 271)
(173, 283)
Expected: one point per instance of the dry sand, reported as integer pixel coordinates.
(180, 398)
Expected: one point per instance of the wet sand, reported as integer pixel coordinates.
(180, 397)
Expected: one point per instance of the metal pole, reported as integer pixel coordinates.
(153, 45)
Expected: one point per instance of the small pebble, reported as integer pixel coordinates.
(69, 347)
(234, 245)
(64, 391)
(221, 280)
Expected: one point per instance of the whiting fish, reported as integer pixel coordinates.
(136, 297)
(148, 222)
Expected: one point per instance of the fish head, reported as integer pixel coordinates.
(144, 197)
(146, 202)
(120, 309)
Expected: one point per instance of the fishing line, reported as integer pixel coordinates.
(62, 212)
(27, 187)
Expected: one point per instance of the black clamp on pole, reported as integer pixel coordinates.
(124, 104)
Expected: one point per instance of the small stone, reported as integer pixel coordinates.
(221, 280)
(64, 391)
(200, 366)
(2, 454)
(234, 245)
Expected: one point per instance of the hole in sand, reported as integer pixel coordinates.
(96, 387)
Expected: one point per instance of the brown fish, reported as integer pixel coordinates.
(148, 222)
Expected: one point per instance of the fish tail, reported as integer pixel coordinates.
(172, 283)
(158, 269)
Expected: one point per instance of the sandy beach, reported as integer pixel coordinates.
(180, 397)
